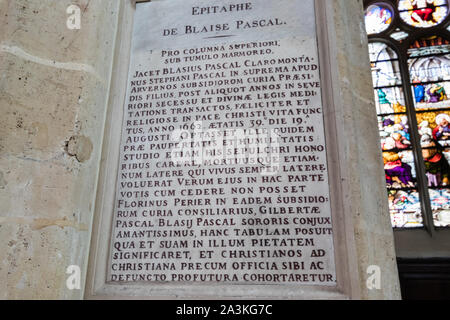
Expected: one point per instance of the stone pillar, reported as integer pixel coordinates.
(363, 177)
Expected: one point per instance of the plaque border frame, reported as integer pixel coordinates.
(345, 251)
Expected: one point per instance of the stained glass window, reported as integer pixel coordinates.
(411, 78)
(378, 18)
(401, 181)
(423, 13)
(430, 79)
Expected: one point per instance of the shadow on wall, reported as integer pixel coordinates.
(425, 279)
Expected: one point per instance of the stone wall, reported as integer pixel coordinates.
(54, 86)
(54, 89)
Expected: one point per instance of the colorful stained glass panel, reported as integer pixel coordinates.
(396, 127)
(431, 96)
(434, 68)
(386, 73)
(378, 19)
(398, 156)
(436, 163)
(389, 100)
(423, 13)
(405, 209)
(435, 125)
(440, 204)
(398, 167)
(440, 126)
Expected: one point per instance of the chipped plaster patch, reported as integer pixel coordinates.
(80, 147)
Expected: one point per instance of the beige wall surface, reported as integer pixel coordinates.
(54, 91)
(54, 86)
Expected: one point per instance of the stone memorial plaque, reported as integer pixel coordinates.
(223, 166)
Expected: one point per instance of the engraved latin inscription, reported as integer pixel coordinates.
(223, 167)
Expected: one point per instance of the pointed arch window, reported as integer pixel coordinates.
(409, 46)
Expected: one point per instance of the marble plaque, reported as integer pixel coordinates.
(223, 167)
